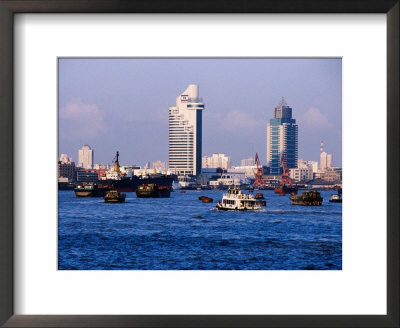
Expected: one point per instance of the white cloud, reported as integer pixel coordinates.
(80, 120)
(239, 121)
(313, 118)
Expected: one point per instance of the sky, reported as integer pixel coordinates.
(122, 104)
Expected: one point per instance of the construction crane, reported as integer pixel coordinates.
(286, 180)
(259, 181)
(286, 185)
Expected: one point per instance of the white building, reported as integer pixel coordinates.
(322, 160)
(247, 161)
(329, 161)
(216, 160)
(313, 165)
(85, 157)
(185, 132)
(325, 161)
(64, 159)
(299, 174)
(159, 166)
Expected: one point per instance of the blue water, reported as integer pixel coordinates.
(182, 233)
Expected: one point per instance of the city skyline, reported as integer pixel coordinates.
(122, 104)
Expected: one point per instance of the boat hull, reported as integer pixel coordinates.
(307, 198)
(153, 191)
(132, 184)
(283, 190)
(114, 197)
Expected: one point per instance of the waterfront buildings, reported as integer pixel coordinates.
(216, 160)
(247, 161)
(85, 157)
(301, 174)
(282, 138)
(185, 132)
(66, 169)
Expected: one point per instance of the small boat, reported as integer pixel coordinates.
(182, 191)
(114, 196)
(307, 198)
(335, 198)
(235, 199)
(284, 189)
(152, 190)
(206, 199)
(259, 195)
(90, 189)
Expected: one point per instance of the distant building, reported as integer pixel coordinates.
(65, 159)
(247, 161)
(282, 138)
(185, 132)
(313, 165)
(159, 165)
(99, 167)
(325, 160)
(87, 175)
(66, 169)
(301, 174)
(85, 157)
(329, 161)
(216, 160)
(333, 174)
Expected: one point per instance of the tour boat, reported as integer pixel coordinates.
(235, 199)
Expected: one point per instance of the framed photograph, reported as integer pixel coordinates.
(155, 157)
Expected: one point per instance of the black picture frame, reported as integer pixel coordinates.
(7, 199)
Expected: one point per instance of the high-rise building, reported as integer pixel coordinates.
(185, 132)
(325, 160)
(216, 160)
(282, 138)
(85, 157)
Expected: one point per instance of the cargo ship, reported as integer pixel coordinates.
(307, 198)
(152, 190)
(119, 182)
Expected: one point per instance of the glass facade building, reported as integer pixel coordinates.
(185, 133)
(282, 138)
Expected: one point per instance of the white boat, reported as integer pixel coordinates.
(235, 199)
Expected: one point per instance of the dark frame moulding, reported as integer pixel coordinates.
(10, 7)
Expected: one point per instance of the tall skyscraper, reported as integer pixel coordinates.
(282, 138)
(185, 132)
(85, 157)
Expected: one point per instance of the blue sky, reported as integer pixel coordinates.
(122, 104)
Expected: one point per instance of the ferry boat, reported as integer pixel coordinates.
(152, 190)
(235, 199)
(113, 196)
(307, 198)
